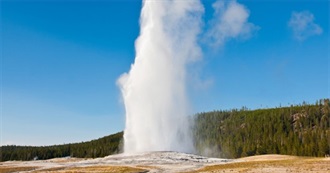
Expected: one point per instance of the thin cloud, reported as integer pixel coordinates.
(230, 21)
(303, 26)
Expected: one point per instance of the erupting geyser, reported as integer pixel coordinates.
(154, 90)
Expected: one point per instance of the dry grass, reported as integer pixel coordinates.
(96, 169)
(49, 170)
(7, 169)
(147, 167)
(278, 165)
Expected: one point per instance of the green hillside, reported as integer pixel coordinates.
(296, 130)
(302, 130)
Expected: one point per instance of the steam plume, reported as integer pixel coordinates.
(154, 90)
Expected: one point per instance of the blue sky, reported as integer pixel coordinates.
(61, 60)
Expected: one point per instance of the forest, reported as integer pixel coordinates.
(96, 148)
(302, 130)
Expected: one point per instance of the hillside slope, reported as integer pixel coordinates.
(302, 130)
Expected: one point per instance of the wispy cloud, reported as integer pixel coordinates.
(303, 26)
(230, 21)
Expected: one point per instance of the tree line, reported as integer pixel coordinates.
(302, 130)
(96, 148)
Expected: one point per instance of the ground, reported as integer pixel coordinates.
(171, 162)
(272, 164)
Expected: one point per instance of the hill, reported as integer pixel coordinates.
(302, 130)
(96, 148)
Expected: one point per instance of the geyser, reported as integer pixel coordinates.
(154, 90)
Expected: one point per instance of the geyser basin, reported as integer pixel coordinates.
(172, 162)
(161, 157)
(165, 161)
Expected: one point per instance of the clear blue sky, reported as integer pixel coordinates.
(60, 61)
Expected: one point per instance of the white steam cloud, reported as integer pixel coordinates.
(154, 90)
(303, 26)
(230, 21)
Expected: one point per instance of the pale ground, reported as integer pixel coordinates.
(172, 162)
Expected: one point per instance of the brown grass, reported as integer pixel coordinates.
(285, 165)
(96, 169)
(147, 167)
(49, 170)
(7, 169)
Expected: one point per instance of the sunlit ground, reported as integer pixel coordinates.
(264, 163)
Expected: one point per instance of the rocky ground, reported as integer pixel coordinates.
(171, 162)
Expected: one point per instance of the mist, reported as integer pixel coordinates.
(154, 91)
